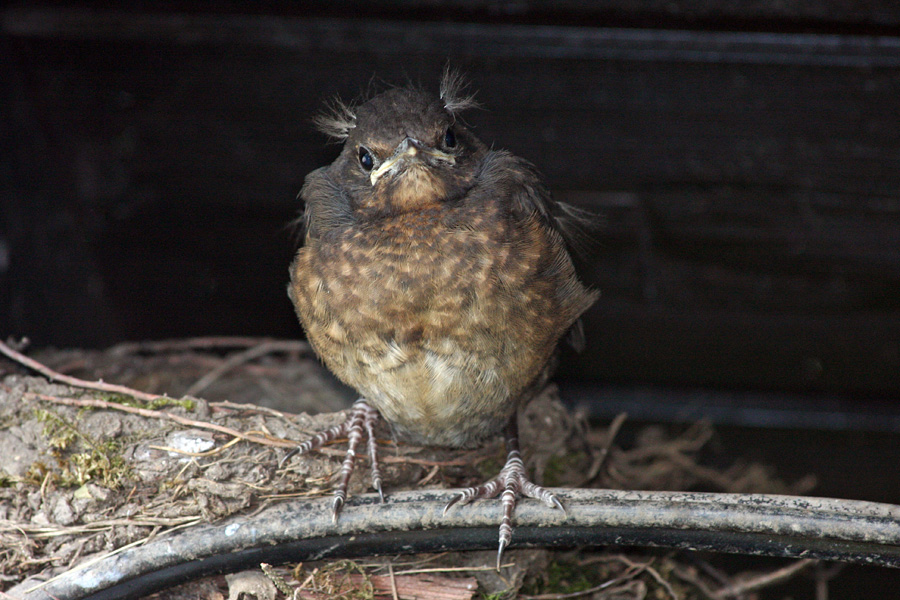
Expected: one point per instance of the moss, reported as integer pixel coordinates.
(186, 403)
(37, 472)
(564, 576)
(80, 457)
(103, 464)
(567, 574)
(7, 421)
(559, 469)
(335, 579)
(491, 466)
(502, 595)
(568, 577)
(60, 433)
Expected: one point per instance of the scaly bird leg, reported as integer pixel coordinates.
(362, 418)
(512, 482)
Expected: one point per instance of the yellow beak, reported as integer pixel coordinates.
(408, 150)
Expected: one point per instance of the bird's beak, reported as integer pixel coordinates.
(409, 150)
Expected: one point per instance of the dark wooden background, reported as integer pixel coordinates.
(745, 157)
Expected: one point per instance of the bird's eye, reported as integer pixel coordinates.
(365, 159)
(450, 138)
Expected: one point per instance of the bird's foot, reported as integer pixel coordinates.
(362, 419)
(511, 483)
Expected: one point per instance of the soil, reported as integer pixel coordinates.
(82, 476)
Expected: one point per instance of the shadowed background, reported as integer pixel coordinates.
(745, 159)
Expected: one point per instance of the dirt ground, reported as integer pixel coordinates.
(86, 472)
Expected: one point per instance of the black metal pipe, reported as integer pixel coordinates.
(411, 522)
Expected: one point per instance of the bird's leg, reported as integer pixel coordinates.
(362, 418)
(512, 482)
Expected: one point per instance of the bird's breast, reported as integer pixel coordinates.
(440, 326)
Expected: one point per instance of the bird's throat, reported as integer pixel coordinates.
(415, 188)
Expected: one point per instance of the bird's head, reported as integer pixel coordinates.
(404, 149)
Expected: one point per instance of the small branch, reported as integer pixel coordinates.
(690, 576)
(74, 381)
(159, 414)
(422, 587)
(630, 573)
(198, 343)
(240, 358)
(226, 405)
(822, 576)
(653, 573)
(264, 441)
(51, 531)
(394, 594)
(765, 580)
(600, 457)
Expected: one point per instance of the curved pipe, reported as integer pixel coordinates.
(411, 522)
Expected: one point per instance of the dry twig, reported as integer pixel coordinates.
(765, 580)
(240, 358)
(600, 457)
(160, 414)
(394, 593)
(74, 381)
(157, 414)
(630, 573)
(197, 343)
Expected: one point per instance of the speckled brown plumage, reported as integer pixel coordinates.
(435, 277)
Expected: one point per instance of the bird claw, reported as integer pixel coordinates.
(558, 504)
(456, 498)
(511, 483)
(362, 419)
(336, 505)
(500, 553)
(288, 456)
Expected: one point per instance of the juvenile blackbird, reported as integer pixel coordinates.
(434, 279)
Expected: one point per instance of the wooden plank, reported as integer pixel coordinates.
(760, 14)
(385, 37)
(750, 181)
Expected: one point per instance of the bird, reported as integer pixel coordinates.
(436, 279)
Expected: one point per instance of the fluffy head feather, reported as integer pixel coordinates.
(337, 120)
(339, 117)
(453, 86)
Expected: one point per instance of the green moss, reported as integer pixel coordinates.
(102, 464)
(37, 472)
(504, 595)
(567, 574)
(564, 575)
(111, 397)
(60, 433)
(336, 579)
(568, 577)
(491, 466)
(559, 469)
(186, 403)
(81, 458)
